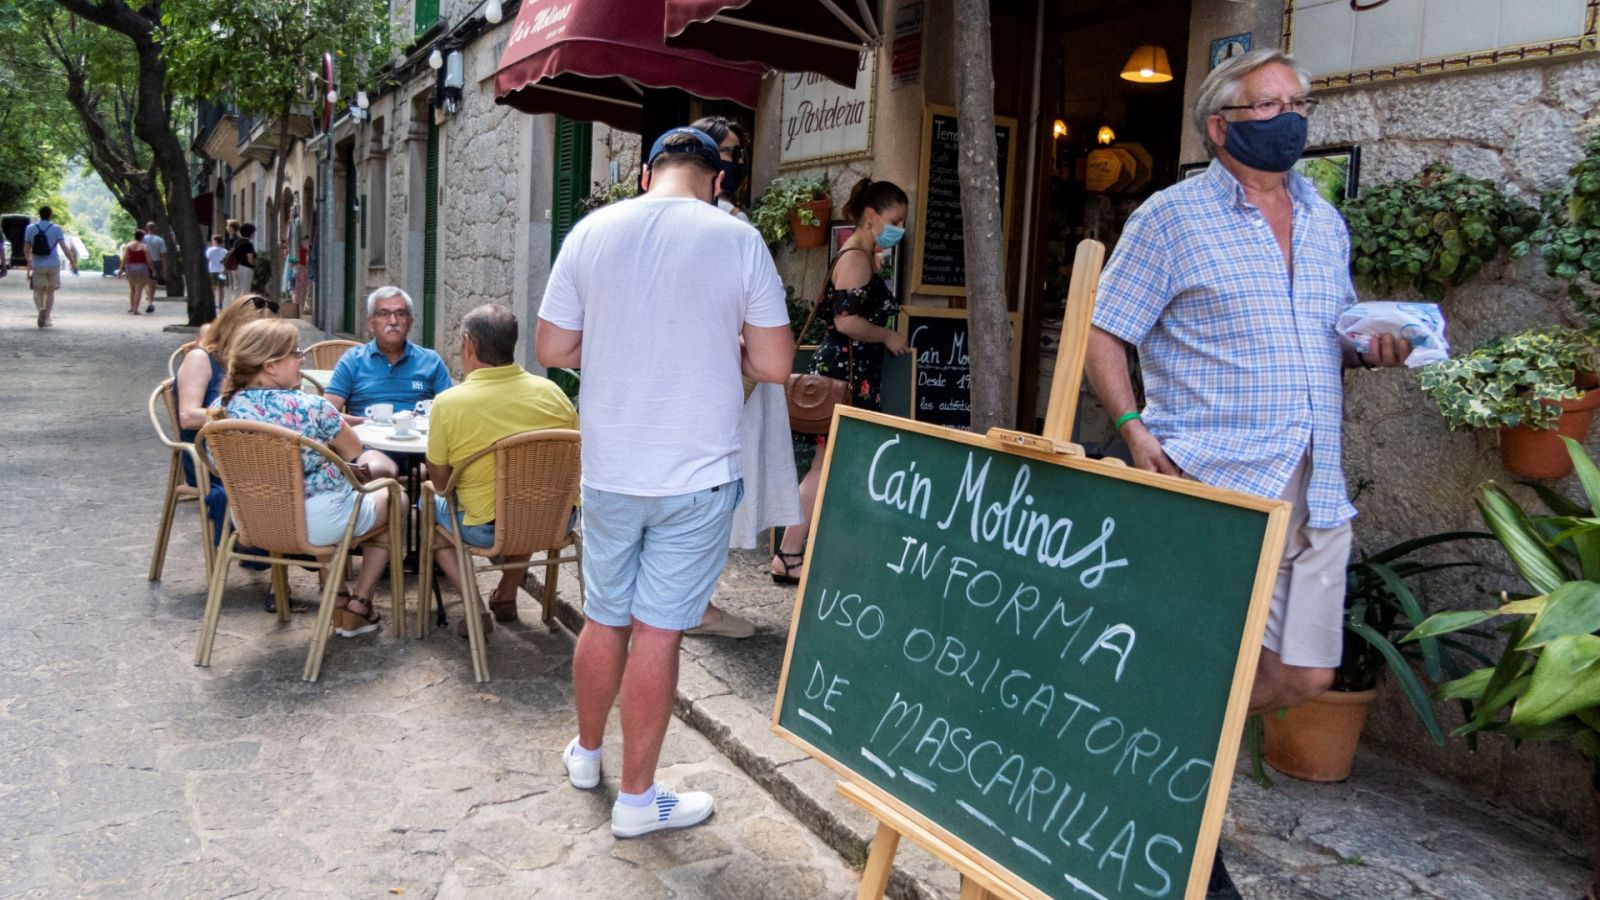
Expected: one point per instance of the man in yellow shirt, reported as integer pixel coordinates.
(498, 398)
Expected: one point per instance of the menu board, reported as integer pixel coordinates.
(941, 372)
(941, 246)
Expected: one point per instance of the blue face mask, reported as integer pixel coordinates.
(890, 235)
(1269, 145)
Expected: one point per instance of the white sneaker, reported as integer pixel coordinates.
(668, 811)
(582, 772)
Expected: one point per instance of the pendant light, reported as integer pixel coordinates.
(1105, 136)
(1148, 65)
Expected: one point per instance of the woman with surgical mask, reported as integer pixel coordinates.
(856, 308)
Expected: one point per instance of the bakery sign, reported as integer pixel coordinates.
(1345, 42)
(824, 121)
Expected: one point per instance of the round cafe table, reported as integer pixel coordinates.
(409, 454)
(317, 378)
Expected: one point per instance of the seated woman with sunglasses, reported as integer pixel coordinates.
(263, 385)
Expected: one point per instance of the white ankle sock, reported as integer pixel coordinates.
(637, 800)
(581, 752)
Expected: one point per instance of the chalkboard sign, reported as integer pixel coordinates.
(941, 375)
(940, 245)
(1043, 660)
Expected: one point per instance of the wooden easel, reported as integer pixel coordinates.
(977, 880)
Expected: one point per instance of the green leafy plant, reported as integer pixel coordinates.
(770, 212)
(606, 194)
(1433, 232)
(1504, 382)
(799, 311)
(1546, 683)
(1569, 238)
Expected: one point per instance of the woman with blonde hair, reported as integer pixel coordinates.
(135, 267)
(263, 385)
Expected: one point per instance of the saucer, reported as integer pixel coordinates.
(405, 437)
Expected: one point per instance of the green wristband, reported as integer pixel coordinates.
(1127, 417)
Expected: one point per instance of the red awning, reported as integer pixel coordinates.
(823, 36)
(591, 59)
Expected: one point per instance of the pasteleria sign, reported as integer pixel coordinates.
(824, 121)
(1037, 663)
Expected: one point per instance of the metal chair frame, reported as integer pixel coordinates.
(177, 487)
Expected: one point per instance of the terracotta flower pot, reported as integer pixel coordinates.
(1317, 740)
(807, 236)
(1540, 453)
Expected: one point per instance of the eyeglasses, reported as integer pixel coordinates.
(1270, 109)
(733, 154)
(264, 303)
(296, 353)
(395, 314)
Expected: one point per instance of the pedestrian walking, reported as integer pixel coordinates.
(156, 245)
(230, 238)
(43, 246)
(1230, 285)
(135, 267)
(243, 255)
(660, 425)
(215, 254)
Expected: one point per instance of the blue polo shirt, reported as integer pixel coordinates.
(365, 376)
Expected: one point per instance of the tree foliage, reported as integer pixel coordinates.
(36, 133)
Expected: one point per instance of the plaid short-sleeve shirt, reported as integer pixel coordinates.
(1243, 370)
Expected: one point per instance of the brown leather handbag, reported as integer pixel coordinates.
(812, 397)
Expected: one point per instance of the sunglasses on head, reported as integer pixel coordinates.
(264, 303)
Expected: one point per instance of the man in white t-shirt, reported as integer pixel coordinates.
(156, 246)
(215, 254)
(664, 301)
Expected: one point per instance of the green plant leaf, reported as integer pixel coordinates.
(1401, 592)
(1565, 679)
(1572, 608)
(1409, 684)
(1448, 621)
(1588, 473)
(1524, 606)
(1406, 548)
(1555, 501)
(1467, 687)
(1538, 564)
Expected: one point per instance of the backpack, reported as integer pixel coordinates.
(230, 262)
(41, 240)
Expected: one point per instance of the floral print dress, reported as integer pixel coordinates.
(296, 410)
(859, 363)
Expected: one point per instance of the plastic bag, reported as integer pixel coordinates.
(1420, 323)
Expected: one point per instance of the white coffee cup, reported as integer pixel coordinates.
(423, 407)
(380, 412)
(402, 423)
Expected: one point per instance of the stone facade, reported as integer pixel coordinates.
(1522, 127)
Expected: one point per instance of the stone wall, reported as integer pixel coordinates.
(1521, 127)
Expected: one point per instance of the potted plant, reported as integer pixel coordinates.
(1535, 386)
(1316, 741)
(796, 207)
(1570, 237)
(1546, 683)
(1432, 232)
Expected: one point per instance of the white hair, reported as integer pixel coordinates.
(1221, 87)
(384, 293)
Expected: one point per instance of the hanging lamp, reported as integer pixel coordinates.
(1148, 65)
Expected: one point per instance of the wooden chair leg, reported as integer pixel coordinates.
(425, 583)
(577, 561)
(469, 600)
(397, 563)
(552, 574)
(324, 623)
(208, 548)
(213, 612)
(168, 511)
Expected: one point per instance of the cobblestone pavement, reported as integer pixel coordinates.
(127, 772)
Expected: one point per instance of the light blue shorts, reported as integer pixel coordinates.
(655, 559)
(327, 513)
(481, 535)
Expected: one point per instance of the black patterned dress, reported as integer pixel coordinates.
(860, 363)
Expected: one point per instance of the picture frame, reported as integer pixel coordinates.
(1190, 170)
(1225, 48)
(1334, 171)
(889, 268)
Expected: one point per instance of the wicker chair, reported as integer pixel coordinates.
(326, 354)
(165, 396)
(176, 359)
(535, 490)
(261, 470)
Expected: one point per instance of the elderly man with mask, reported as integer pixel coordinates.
(387, 369)
(1229, 285)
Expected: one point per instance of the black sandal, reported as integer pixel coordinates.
(790, 563)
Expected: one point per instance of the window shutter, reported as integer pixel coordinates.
(571, 179)
(426, 12)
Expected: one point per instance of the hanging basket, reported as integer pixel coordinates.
(1539, 453)
(808, 236)
(1316, 741)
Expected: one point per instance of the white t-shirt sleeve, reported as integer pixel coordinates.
(764, 294)
(562, 305)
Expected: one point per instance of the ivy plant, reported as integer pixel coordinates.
(1570, 236)
(770, 213)
(1433, 232)
(1506, 382)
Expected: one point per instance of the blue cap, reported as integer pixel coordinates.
(705, 147)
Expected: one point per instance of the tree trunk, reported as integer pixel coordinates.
(152, 123)
(989, 326)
